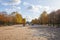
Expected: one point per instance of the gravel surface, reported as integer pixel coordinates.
(18, 32)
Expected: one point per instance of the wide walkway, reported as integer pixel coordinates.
(18, 32)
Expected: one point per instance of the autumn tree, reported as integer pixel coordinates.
(52, 18)
(58, 17)
(17, 18)
(3, 17)
(43, 19)
(13, 18)
(35, 21)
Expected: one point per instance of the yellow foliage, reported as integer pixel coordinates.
(44, 18)
(18, 18)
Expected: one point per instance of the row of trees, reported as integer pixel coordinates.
(52, 18)
(13, 18)
(43, 19)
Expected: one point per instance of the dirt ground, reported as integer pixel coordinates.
(18, 33)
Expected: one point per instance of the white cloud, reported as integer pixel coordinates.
(18, 8)
(16, 1)
(26, 3)
(35, 8)
(13, 9)
(9, 10)
(46, 7)
(11, 2)
(28, 18)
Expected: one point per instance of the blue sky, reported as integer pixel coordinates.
(29, 9)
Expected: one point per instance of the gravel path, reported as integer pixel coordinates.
(18, 32)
